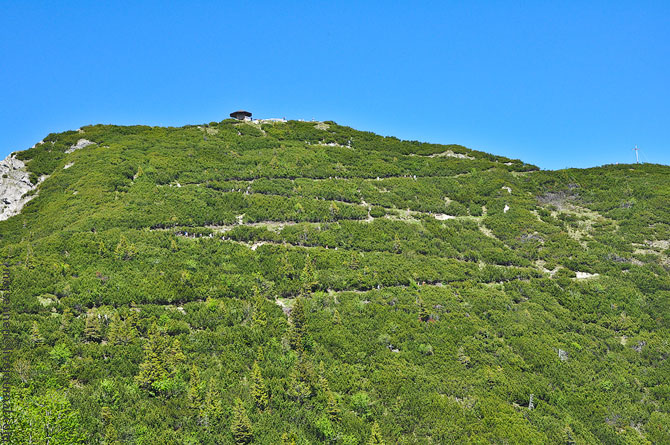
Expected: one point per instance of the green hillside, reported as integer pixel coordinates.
(304, 282)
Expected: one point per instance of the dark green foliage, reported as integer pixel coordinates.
(325, 285)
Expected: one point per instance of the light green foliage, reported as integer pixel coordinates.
(92, 328)
(258, 391)
(240, 424)
(35, 336)
(375, 435)
(44, 419)
(348, 287)
(162, 357)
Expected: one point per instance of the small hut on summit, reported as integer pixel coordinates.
(241, 115)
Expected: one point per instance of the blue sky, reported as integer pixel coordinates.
(556, 84)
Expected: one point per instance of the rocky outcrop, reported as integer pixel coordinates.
(14, 185)
(81, 143)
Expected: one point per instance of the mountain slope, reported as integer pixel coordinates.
(170, 285)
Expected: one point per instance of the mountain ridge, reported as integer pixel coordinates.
(322, 283)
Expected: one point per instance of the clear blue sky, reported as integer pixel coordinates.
(567, 83)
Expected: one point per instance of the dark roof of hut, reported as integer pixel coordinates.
(240, 113)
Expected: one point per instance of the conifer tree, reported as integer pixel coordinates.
(240, 424)
(92, 327)
(259, 317)
(307, 277)
(288, 439)
(285, 268)
(66, 319)
(153, 368)
(211, 409)
(105, 414)
(101, 248)
(332, 407)
(125, 250)
(354, 261)
(334, 211)
(298, 315)
(120, 250)
(28, 263)
(111, 435)
(194, 389)
(35, 336)
(336, 317)
(258, 390)
(120, 331)
(323, 382)
(112, 332)
(175, 354)
(298, 388)
(424, 315)
(133, 317)
(376, 435)
(298, 325)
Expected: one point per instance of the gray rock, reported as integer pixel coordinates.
(81, 143)
(14, 184)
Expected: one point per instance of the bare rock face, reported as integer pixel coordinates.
(14, 184)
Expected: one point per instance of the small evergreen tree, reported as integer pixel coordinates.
(285, 268)
(35, 336)
(334, 211)
(101, 248)
(124, 250)
(111, 435)
(28, 263)
(332, 408)
(211, 410)
(133, 317)
(298, 388)
(354, 261)
(258, 390)
(240, 425)
(66, 319)
(307, 277)
(424, 315)
(288, 439)
(194, 389)
(92, 328)
(336, 317)
(324, 387)
(259, 317)
(105, 414)
(396, 243)
(121, 332)
(298, 325)
(376, 435)
(175, 354)
(153, 368)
